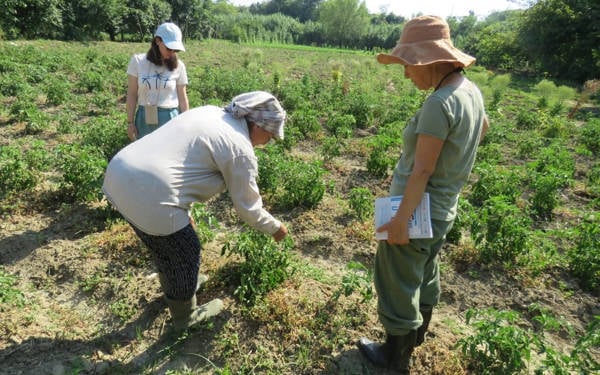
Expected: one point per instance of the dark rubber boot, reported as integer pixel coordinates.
(185, 314)
(393, 355)
(426, 312)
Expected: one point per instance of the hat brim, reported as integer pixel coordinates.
(174, 45)
(427, 53)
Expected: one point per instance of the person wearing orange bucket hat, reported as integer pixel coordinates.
(439, 149)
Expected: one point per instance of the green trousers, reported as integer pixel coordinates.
(406, 277)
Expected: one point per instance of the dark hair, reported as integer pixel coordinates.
(153, 55)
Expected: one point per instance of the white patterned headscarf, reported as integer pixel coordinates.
(261, 108)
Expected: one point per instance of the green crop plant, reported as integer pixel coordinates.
(105, 134)
(341, 126)
(303, 185)
(9, 295)
(205, 223)
(266, 263)
(361, 201)
(499, 346)
(589, 135)
(502, 231)
(554, 160)
(357, 278)
(82, 170)
(331, 147)
(495, 181)
(15, 172)
(463, 221)
(545, 195)
(123, 309)
(584, 257)
(289, 182)
(381, 158)
(58, 90)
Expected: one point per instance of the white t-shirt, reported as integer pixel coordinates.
(157, 85)
(198, 154)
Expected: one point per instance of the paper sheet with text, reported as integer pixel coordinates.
(419, 225)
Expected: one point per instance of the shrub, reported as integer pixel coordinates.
(266, 264)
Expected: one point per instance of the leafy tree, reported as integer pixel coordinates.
(563, 37)
(144, 16)
(31, 18)
(86, 19)
(497, 45)
(344, 21)
(302, 10)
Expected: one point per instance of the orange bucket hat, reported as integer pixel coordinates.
(426, 40)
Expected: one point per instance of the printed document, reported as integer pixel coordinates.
(419, 225)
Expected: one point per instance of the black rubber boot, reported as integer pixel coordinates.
(426, 312)
(393, 355)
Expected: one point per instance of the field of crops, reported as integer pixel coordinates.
(79, 295)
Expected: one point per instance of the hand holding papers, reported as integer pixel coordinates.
(419, 225)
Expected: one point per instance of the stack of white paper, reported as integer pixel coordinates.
(419, 225)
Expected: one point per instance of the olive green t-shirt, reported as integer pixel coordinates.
(455, 115)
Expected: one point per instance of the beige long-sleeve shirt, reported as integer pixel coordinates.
(153, 181)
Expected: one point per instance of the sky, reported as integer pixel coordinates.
(443, 8)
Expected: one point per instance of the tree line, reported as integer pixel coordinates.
(552, 38)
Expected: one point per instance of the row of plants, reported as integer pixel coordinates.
(64, 120)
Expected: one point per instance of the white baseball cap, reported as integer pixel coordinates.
(171, 36)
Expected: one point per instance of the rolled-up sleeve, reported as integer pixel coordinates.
(240, 175)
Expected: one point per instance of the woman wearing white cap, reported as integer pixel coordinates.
(153, 182)
(156, 83)
(439, 148)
